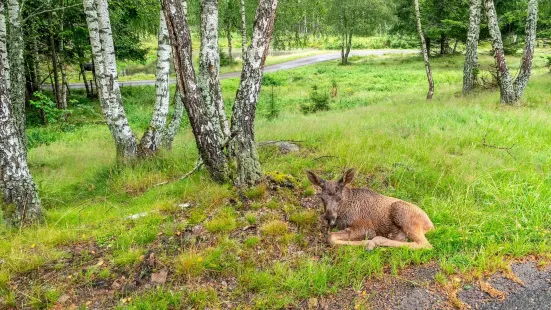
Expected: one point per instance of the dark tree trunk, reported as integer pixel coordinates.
(207, 140)
(428, 45)
(89, 93)
(249, 170)
(443, 44)
(55, 65)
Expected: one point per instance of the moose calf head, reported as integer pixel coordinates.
(332, 193)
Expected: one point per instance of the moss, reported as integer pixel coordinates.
(274, 228)
(281, 179)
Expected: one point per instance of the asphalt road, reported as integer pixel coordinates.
(282, 66)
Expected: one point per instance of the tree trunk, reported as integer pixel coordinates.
(174, 126)
(348, 46)
(17, 69)
(209, 68)
(244, 109)
(4, 46)
(443, 44)
(344, 60)
(529, 44)
(19, 192)
(61, 62)
(55, 65)
(89, 92)
(206, 137)
(152, 138)
(425, 52)
(230, 47)
(99, 27)
(243, 29)
(511, 91)
(471, 48)
(428, 45)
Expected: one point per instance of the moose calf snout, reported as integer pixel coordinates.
(331, 218)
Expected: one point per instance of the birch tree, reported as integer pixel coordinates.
(203, 124)
(19, 193)
(99, 28)
(471, 47)
(17, 68)
(174, 125)
(209, 68)
(511, 90)
(243, 28)
(424, 50)
(4, 45)
(249, 170)
(152, 138)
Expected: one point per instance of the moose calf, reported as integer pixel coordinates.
(369, 219)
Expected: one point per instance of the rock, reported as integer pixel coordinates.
(184, 205)
(286, 147)
(137, 216)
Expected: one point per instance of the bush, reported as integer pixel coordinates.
(52, 114)
(319, 101)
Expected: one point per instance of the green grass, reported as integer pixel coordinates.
(489, 206)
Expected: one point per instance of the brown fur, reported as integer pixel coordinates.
(369, 219)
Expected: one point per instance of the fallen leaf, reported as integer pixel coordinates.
(100, 263)
(159, 277)
(63, 298)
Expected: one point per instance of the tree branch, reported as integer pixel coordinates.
(48, 11)
(506, 149)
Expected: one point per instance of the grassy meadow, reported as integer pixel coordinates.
(109, 227)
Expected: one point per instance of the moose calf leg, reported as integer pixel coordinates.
(421, 243)
(348, 237)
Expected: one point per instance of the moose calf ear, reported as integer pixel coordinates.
(348, 176)
(314, 179)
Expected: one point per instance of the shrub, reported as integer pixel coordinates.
(52, 114)
(319, 101)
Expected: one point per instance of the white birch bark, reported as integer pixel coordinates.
(204, 129)
(99, 27)
(152, 138)
(17, 188)
(4, 45)
(249, 170)
(529, 45)
(209, 68)
(428, 69)
(174, 125)
(471, 48)
(511, 90)
(17, 68)
(243, 29)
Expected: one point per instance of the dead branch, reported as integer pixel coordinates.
(322, 157)
(506, 149)
(185, 176)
